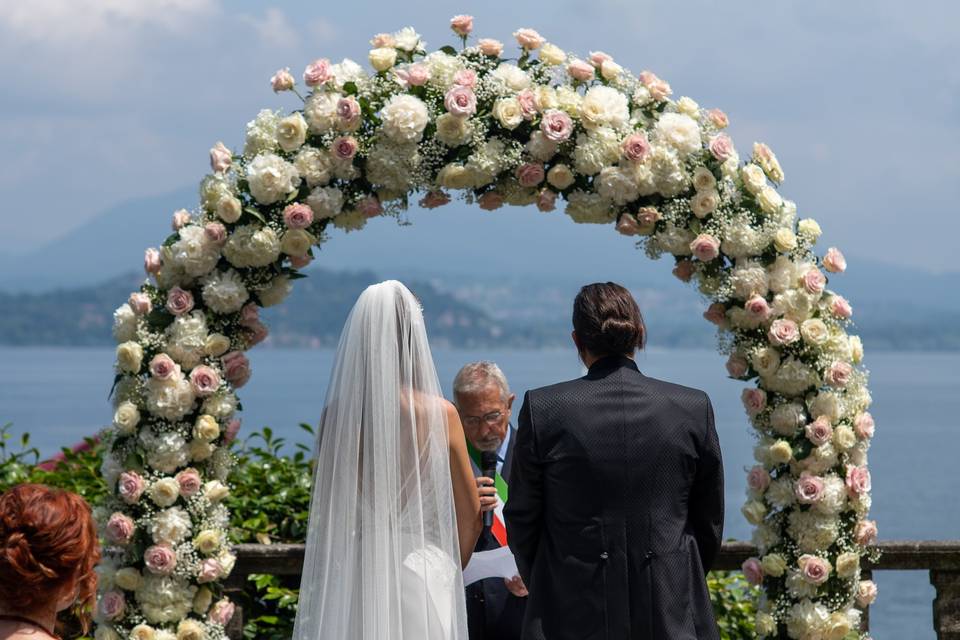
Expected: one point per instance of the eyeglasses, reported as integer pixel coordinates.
(491, 419)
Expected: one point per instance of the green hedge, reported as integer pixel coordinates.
(279, 514)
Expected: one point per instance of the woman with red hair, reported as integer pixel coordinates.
(48, 551)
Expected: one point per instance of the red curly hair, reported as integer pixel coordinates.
(48, 540)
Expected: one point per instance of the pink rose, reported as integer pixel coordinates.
(580, 70)
(716, 313)
(635, 147)
(783, 331)
(737, 365)
(758, 307)
(370, 206)
(718, 118)
(282, 80)
(754, 400)
(529, 39)
(866, 593)
(752, 571)
(490, 200)
(181, 218)
(838, 374)
(858, 480)
(297, 216)
(299, 262)
(434, 199)
(415, 75)
(758, 479)
(257, 333)
(465, 78)
(865, 532)
(547, 200)
(112, 605)
(236, 368)
(460, 101)
(809, 488)
(344, 148)
(814, 281)
(705, 247)
(162, 367)
(684, 270)
(597, 58)
(627, 225)
(120, 528)
(215, 232)
(648, 216)
(348, 111)
(813, 569)
(721, 146)
(140, 303)
(204, 380)
(530, 174)
(221, 612)
(220, 158)
(834, 262)
(528, 104)
(658, 88)
(317, 72)
(249, 314)
(210, 570)
(382, 40)
(160, 559)
(863, 425)
(189, 481)
(130, 486)
(840, 307)
(462, 25)
(179, 301)
(490, 47)
(819, 431)
(151, 261)
(230, 433)
(556, 125)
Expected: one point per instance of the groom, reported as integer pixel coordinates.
(495, 606)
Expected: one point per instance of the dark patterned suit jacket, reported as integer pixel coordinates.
(616, 507)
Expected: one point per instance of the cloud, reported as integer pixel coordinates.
(273, 29)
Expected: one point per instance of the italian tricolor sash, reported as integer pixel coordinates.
(498, 529)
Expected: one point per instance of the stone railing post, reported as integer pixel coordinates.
(946, 604)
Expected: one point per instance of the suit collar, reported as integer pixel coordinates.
(607, 364)
(508, 457)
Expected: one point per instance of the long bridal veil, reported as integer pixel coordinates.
(382, 556)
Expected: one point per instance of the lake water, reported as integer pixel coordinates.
(60, 396)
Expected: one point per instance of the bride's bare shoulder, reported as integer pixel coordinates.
(430, 401)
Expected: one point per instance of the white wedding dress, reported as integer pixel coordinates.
(382, 552)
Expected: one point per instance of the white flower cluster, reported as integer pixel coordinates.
(534, 129)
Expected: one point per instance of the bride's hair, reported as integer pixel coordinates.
(607, 320)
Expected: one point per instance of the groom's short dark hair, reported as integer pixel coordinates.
(607, 320)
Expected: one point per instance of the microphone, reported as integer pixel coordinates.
(488, 468)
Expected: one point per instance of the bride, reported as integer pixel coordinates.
(394, 513)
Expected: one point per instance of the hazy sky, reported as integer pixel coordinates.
(104, 100)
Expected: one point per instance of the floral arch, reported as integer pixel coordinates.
(540, 128)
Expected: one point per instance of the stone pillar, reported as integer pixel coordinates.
(946, 605)
(866, 574)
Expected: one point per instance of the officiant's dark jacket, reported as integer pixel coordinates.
(615, 511)
(493, 613)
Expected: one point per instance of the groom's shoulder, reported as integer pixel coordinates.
(678, 394)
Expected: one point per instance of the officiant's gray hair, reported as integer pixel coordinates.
(477, 376)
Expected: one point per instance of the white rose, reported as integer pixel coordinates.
(313, 166)
(229, 209)
(271, 178)
(223, 292)
(782, 274)
(252, 246)
(292, 132)
(540, 147)
(404, 118)
(703, 179)
(124, 323)
(605, 106)
(170, 399)
(455, 176)
(769, 200)
(407, 39)
(164, 492)
(383, 58)
(216, 344)
(129, 357)
(508, 113)
(200, 450)
(275, 292)
(511, 77)
(809, 228)
(321, 111)
(856, 349)
(202, 601)
(680, 132)
(326, 202)
(551, 54)
(844, 437)
(569, 100)
(128, 579)
(206, 428)
(560, 176)
(207, 541)
(297, 242)
(787, 418)
(814, 331)
(704, 203)
(616, 184)
(825, 403)
(453, 131)
(127, 417)
(688, 106)
(784, 240)
(753, 178)
(765, 360)
(610, 70)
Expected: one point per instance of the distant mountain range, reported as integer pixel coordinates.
(504, 278)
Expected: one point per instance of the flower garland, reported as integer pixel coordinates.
(547, 125)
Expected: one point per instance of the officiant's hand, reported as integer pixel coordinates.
(516, 587)
(487, 493)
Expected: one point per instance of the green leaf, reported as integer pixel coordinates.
(256, 214)
(449, 50)
(350, 88)
(173, 237)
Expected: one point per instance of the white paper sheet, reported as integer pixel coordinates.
(490, 564)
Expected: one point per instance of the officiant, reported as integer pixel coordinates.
(482, 396)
